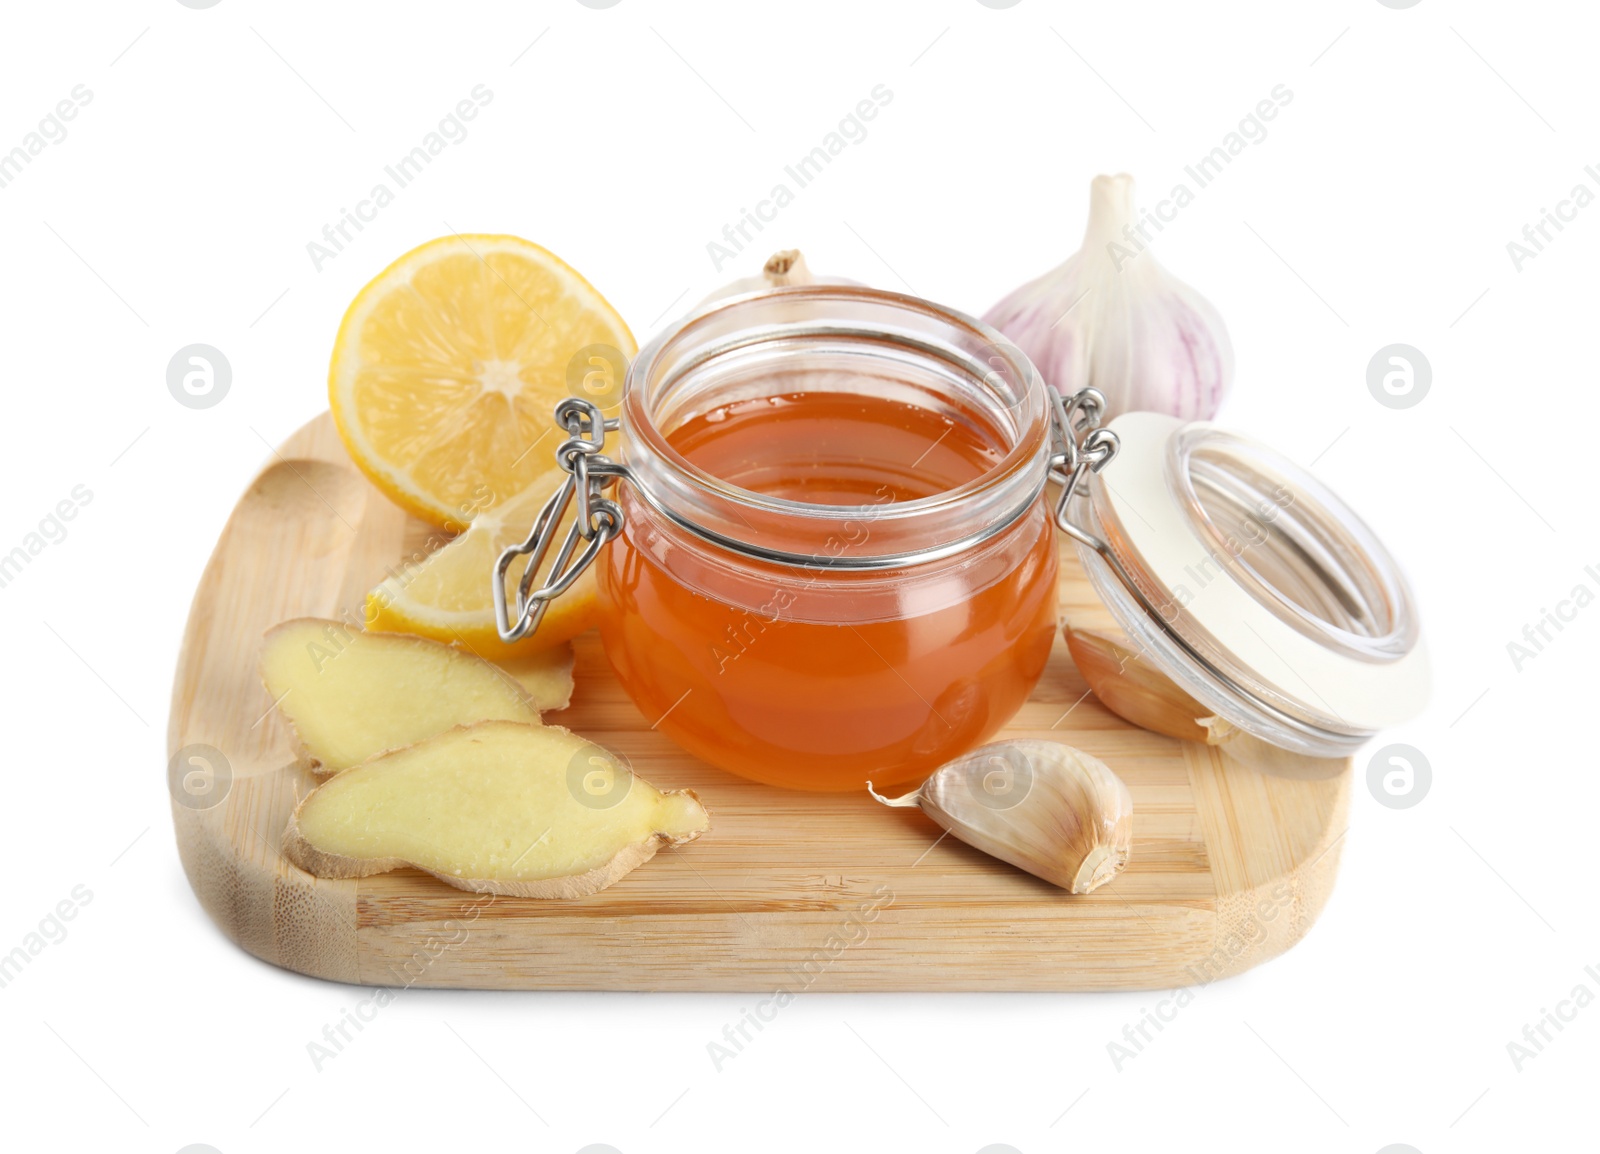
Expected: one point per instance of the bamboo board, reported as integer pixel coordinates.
(790, 891)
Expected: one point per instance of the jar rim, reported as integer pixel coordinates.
(645, 442)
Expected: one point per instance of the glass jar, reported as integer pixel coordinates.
(864, 583)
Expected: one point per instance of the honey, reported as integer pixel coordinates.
(814, 677)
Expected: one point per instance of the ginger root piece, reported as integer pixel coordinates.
(527, 811)
(546, 675)
(351, 695)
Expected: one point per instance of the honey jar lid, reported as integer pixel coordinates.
(1254, 586)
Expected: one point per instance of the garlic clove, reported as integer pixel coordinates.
(783, 268)
(1112, 317)
(1125, 682)
(1041, 806)
(1219, 731)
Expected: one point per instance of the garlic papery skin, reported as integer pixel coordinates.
(782, 269)
(1041, 806)
(1112, 317)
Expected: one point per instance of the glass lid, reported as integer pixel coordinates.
(1254, 586)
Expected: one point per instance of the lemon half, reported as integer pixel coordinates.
(449, 364)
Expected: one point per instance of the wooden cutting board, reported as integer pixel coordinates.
(790, 891)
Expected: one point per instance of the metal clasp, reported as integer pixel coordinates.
(1082, 446)
(599, 519)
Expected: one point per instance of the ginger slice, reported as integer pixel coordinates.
(351, 695)
(522, 810)
(546, 675)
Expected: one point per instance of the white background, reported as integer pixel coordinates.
(219, 142)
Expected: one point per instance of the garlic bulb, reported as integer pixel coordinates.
(782, 268)
(1041, 806)
(1113, 318)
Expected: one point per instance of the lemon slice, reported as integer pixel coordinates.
(449, 363)
(447, 594)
